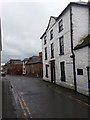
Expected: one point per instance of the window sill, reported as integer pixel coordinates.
(52, 57)
(61, 54)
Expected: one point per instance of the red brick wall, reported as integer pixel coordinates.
(36, 69)
(15, 69)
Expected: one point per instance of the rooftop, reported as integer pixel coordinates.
(35, 59)
(86, 42)
(80, 3)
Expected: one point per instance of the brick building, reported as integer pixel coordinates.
(14, 67)
(34, 66)
(24, 65)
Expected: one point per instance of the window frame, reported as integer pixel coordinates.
(61, 45)
(62, 68)
(51, 34)
(52, 50)
(60, 25)
(47, 70)
(79, 71)
(45, 40)
(45, 53)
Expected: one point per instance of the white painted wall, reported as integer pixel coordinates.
(80, 29)
(80, 23)
(81, 57)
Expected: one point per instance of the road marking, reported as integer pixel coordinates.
(26, 106)
(23, 105)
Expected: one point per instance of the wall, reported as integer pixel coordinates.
(80, 23)
(81, 56)
(35, 69)
(80, 29)
(14, 69)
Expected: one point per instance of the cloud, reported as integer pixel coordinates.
(23, 23)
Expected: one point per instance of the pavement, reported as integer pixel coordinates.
(71, 93)
(8, 105)
(9, 109)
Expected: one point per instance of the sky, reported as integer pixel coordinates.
(23, 23)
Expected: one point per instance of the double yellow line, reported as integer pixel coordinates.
(23, 105)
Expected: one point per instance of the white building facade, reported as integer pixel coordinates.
(58, 41)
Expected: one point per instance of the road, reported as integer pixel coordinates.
(36, 98)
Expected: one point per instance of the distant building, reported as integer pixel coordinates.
(34, 66)
(24, 65)
(14, 67)
(66, 48)
(4, 68)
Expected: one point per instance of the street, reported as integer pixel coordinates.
(35, 98)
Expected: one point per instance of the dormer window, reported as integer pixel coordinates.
(45, 40)
(51, 34)
(60, 25)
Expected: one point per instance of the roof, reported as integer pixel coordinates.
(48, 25)
(16, 61)
(68, 6)
(34, 60)
(26, 59)
(86, 42)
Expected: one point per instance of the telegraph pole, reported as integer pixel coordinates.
(72, 51)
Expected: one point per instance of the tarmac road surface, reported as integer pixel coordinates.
(35, 98)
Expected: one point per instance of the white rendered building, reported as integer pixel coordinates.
(65, 63)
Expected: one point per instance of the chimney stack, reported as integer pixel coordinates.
(40, 54)
(30, 58)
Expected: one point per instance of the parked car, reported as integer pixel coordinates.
(3, 74)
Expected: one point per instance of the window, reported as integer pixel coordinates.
(60, 25)
(62, 65)
(51, 34)
(46, 53)
(52, 50)
(61, 43)
(79, 71)
(45, 41)
(47, 70)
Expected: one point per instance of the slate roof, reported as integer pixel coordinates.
(26, 59)
(34, 60)
(16, 61)
(86, 42)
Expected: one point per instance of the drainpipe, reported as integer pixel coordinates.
(72, 51)
(88, 69)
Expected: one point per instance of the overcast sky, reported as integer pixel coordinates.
(23, 23)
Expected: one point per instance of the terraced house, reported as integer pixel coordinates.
(66, 48)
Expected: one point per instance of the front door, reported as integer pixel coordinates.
(53, 71)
